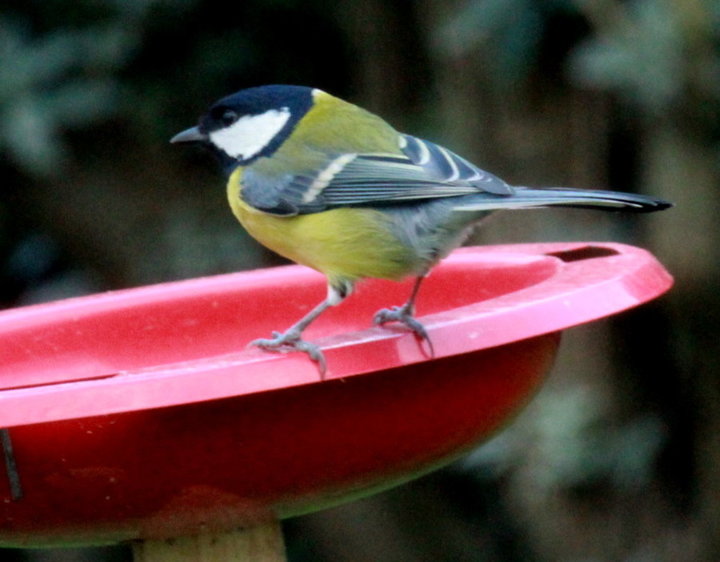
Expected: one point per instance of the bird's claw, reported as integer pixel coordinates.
(403, 314)
(288, 342)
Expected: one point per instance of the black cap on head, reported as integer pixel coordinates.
(291, 101)
(254, 101)
(265, 117)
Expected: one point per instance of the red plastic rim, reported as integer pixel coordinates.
(184, 342)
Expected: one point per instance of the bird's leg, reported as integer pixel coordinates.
(291, 340)
(404, 314)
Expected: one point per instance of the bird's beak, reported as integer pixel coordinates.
(193, 134)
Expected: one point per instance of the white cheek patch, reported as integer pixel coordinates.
(250, 134)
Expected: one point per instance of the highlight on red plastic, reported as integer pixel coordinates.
(141, 414)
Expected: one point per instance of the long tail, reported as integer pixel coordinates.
(527, 198)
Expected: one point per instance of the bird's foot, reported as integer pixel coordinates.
(290, 341)
(404, 315)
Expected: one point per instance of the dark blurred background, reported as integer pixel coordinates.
(617, 458)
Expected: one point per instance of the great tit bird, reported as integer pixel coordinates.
(332, 186)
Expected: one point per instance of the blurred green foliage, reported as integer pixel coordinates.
(640, 55)
(52, 83)
(59, 70)
(572, 446)
(510, 31)
(657, 55)
(660, 56)
(67, 65)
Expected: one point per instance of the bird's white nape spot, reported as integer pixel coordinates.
(250, 134)
(317, 92)
(323, 179)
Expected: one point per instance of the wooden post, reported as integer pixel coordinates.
(253, 544)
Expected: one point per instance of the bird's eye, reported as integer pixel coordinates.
(228, 117)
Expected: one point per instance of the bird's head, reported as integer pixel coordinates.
(250, 123)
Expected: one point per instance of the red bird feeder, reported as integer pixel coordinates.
(140, 415)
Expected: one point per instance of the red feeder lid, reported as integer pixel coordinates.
(184, 342)
(140, 414)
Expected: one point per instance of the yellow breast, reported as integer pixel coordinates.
(344, 244)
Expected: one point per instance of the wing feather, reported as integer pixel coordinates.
(423, 170)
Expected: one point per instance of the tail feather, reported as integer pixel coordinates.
(527, 198)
